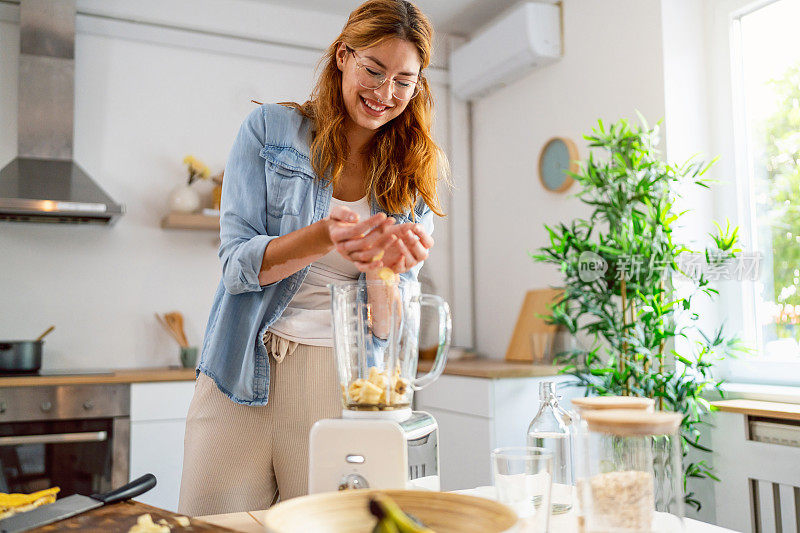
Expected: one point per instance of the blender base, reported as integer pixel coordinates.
(376, 453)
(397, 415)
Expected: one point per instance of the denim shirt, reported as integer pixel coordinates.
(269, 190)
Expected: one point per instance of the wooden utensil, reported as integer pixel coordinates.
(175, 321)
(170, 330)
(179, 324)
(46, 332)
(348, 512)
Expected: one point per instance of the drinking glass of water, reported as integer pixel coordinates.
(523, 478)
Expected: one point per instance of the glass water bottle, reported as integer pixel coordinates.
(552, 430)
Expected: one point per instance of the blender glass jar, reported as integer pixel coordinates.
(375, 335)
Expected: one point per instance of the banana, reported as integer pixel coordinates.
(385, 526)
(386, 510)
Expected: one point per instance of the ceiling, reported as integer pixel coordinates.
(457, 17)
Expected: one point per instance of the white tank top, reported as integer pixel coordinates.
(307, 318)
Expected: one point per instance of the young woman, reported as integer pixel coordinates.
(333, 190)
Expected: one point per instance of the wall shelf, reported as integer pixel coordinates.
(193, 221)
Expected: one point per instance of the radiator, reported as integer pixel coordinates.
(758, 462)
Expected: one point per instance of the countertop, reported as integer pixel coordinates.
(785, 411)
(492, 368)
(138, 375)
(473, 367)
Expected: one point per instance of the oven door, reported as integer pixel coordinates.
(75, 439)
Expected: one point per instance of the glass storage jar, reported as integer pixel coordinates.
(630, 473)
(598, 403)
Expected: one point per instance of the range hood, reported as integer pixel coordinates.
(44, 184)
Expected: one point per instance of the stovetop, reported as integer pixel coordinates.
(61, 372)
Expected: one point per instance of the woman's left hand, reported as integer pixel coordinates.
(409, 249)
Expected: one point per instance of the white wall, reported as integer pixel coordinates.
(612, 66)
(686, 131)
(146, 95)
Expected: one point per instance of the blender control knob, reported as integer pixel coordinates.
(353, 481)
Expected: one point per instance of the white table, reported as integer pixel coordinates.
(567, 522)
(253, 522)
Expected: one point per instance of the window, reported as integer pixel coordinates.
(766, 81)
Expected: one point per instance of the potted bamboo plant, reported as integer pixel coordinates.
(630, 290)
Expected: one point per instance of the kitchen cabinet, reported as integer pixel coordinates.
(158, 421)
(478, 414)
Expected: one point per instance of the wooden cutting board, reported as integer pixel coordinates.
(528, 322)
(121, 517)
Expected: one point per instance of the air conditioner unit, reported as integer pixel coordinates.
(524, 38)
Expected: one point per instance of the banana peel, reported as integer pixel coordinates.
(385, 526)
(388, 512)
(18, 503)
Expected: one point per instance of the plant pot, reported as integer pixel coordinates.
(189, 356)
(184, 199)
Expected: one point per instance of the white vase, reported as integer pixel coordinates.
(184, 199)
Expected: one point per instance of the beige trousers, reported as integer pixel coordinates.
(244, 458)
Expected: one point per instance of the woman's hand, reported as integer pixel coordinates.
(408, 249)
(364, 242)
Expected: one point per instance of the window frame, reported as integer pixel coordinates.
(737, 203)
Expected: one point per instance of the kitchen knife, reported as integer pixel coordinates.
(75, 504)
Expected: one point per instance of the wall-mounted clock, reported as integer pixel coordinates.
(558, 156)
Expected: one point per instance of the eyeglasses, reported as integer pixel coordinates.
(371, 77)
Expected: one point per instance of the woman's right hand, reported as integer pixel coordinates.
(362, 242)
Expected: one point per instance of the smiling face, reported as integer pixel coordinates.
(369, 109)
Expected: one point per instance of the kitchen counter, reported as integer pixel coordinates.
(784, 411)
(138, 375)
(492, 368)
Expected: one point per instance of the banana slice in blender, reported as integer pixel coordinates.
(387, 275)
(370, 393)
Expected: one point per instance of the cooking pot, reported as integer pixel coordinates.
(22, 357)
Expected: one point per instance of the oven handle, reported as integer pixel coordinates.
(54, 438)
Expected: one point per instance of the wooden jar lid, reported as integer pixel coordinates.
(632, 422)
(597, 403)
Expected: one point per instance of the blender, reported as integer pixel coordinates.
(379, 442)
